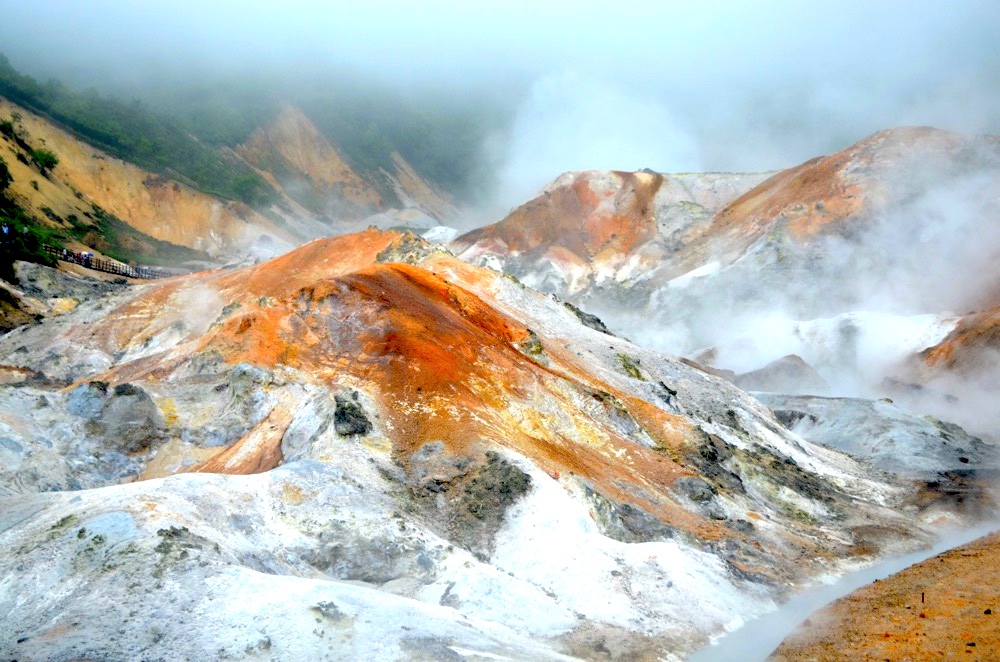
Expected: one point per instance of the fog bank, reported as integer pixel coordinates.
(671, 86)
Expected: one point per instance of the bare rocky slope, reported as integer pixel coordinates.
(368, 448)
(590, 230)
(640, 231)
(299, 161)
(875, 265)
(86, 177)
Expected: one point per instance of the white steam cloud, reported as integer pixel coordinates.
(574, 122)
(671, 86)
(860, 304)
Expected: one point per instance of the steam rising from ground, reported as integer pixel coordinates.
(571, 121)
(197, 307)
(669, 86)
(860, 304)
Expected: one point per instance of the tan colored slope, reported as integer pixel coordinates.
(31, 190)
(152, 204)
(945, 608)
(292, 153)
(412, 188)
(292, 144)
(54, 202)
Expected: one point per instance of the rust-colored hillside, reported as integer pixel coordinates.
(450, 365)
(446, 364)
(630, 226)
(971, 349)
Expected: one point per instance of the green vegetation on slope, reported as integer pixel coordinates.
(134, 132)
(25, 238)
(120, 241)
(21, 238)
(184, 128)
(441, 136)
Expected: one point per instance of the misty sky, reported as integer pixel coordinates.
(673, 86)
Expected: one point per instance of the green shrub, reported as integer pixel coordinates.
(5, 177)
(44, 160)
(133, 132)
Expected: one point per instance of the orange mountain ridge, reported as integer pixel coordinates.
(632, 227)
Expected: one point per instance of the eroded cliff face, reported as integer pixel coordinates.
(367, 433)
(415, 192)
(295, 156)
(316, 193)
(157, 206)
(293, 151)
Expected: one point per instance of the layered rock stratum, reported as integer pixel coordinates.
(369, 448)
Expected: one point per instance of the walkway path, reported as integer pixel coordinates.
(108, 266)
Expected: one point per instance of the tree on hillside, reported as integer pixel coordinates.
(44, 160)
(5, 177)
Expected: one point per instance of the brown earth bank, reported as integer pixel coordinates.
(940, 609)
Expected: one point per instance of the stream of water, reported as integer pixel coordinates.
(756, 640)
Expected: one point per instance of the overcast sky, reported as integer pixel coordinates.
(674, 86)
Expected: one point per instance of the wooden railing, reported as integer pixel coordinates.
(105, 265)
